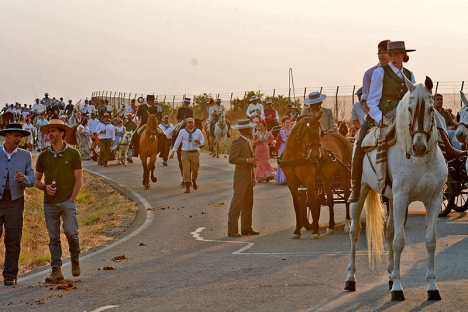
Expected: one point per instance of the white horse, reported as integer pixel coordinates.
(122, 148)
(417, 170)
(221, 130)
(462, 129)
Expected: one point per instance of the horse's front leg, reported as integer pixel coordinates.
(225, 144)
(315, 210)
(330, 204)
(400, 204)
(152, 166)
(390, 236)
(355, 231)
(432, 211)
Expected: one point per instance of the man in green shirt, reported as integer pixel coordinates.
(62, 167)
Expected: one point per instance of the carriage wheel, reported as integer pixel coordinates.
(448, 198)
(460, 203)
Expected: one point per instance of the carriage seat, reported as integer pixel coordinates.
(371, 139)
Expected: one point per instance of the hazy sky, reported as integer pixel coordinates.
(72, 48)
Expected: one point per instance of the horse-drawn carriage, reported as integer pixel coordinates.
(456, 189)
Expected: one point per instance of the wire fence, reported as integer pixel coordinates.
(339, 98)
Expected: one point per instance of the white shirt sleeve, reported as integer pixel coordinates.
(375, 94)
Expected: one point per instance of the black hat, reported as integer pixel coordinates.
(15, 127)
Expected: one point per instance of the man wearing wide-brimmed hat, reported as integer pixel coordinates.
(313, 107)
(184, 111)
(255, 109)
(61, 167)
(242, 155)
(17, 172)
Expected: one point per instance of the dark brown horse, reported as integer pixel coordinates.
(149, 148)
(7, 117)
(308, 157)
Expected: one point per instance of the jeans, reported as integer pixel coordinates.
(69, 212)
(453, 139)
(11, 217)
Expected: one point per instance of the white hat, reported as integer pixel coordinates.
(254, 98)
(123, 104)
(156, 102)
(314, 98)
(218, 100)
(268, 102)
(186, 100)
(243, 124)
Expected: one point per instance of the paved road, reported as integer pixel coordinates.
(189, 263)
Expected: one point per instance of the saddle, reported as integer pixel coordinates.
(371, 140)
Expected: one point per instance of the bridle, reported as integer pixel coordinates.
(307, 154)
(416, 124)
(462, 123)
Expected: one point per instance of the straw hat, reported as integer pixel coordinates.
(314, 98)
(243, 124)
(55, 123)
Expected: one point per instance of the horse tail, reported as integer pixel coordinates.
(375, 225)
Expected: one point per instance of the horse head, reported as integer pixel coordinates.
(462, 129)
(417, 107)
(306, 134)
(126, 138)
(152, 124)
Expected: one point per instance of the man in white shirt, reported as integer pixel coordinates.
(167, 128)
(191, 139)
(106, 132)
(255, 109)
(92, 123)
(86, 109)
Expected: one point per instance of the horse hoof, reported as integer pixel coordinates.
(397, 295)
(296, 236)
(225, 156)
(433, 295)
(350, 286)
(347, 226)
(154, 179)
(330, 232)
(315, 236)
(217, 156)
(390, 285)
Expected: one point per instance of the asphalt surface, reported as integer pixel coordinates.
(188, 262)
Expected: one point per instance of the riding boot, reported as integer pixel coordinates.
(451, 153)
(356, 175)
(187, 187)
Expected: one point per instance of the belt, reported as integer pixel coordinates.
(191, 151)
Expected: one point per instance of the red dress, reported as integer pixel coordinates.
(264, 171)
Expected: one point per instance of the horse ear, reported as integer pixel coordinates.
(463, 98)
(409, 84)
(428, 83)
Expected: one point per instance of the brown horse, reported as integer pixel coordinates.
(308, 157)
(149, 148)
(7, 117)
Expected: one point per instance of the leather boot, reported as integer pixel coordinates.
(55, 276)
(451, 153)
(356, 175)
(187, 187)
(194, 183)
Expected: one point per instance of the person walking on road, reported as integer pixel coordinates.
(106, 132)
(242, 155)
(191, 139)
(61, 167)
(17, 172)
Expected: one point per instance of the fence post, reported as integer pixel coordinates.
(274, 91)
(173, 99)
(336, 103)
(230, 102)
(463, 84)
(305, 91)
(352, 95)
(437, 86)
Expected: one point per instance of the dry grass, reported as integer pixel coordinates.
(102, 214)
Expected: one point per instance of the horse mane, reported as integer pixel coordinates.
(403, 117)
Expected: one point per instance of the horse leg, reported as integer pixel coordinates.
(225, 144)
(432, 210)
(293, 188)
(346, 178)
(145, 172)
(329, 192)
(314, 207)
(355, 231)
(152, 166)
(400, 203)
(390, 236)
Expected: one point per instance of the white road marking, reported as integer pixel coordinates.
(144, 226)
(105, 308)
(197, 235)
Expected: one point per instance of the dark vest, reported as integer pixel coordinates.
(393, 90)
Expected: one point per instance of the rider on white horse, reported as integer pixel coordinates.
(216, 111)
(387, 89)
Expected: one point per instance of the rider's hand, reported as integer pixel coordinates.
(383, 122)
